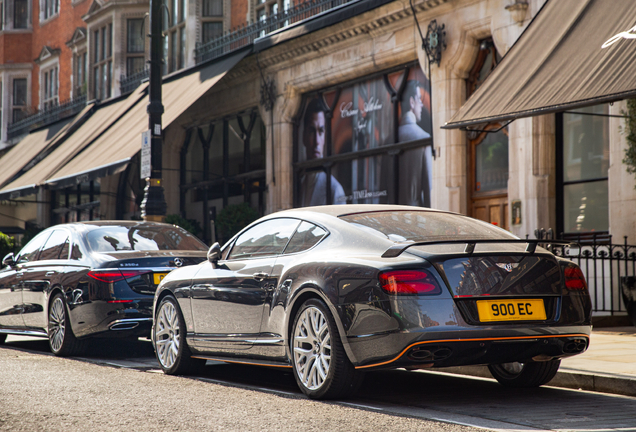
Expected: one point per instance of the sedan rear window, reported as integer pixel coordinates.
(122, 238)
(405, 226)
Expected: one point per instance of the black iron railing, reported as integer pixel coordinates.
(128, 83)
(607, 268)
(243, 36)
(46, 116)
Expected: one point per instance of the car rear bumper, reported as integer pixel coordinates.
(117, 320)
(463, 348)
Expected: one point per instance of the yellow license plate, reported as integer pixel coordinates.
(511, 310)
(158, 277)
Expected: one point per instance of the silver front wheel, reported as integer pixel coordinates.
(312, 348)
(167, 335)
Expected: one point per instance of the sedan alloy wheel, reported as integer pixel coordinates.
(62, 341)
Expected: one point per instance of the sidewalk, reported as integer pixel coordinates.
(608, 366)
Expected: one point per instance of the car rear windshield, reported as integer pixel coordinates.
(123, 238)
(403, 226)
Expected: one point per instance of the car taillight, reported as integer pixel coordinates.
(409, 282)
(115, 275)
(574, 279)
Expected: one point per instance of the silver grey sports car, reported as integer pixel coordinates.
(334, 291)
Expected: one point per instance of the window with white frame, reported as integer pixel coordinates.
(19, 99)
(50, 87)
(175, 36)
(211, 20)
(49, 8)
(267, 8)
(135, 46)
(79, 73)
(20, 14)
(102, 61)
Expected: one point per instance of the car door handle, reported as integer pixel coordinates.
(50, 273)
(260, 277)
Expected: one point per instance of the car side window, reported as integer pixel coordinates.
(265, 239)
(29, 253)
(54, 245)
(306, 236)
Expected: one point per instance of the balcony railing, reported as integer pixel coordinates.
(46, 116)
(128, 83)
(243, 36)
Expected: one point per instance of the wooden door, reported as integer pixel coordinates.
(488, 176)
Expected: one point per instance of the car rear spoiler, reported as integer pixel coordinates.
(531, 245)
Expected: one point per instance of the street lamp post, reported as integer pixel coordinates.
(153, 206)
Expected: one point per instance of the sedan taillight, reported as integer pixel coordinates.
(574, 279)
(414, 282)
(115, 275)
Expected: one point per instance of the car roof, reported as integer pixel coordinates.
(342, 210)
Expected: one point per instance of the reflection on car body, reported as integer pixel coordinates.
(334, 291)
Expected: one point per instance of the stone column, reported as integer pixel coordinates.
(279, 156)
(621, 192)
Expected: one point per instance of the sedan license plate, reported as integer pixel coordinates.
(511, 310)
(158, 277)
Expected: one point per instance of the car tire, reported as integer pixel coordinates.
(172, 351)
(62, 340)
(321, 367)
(531, 374)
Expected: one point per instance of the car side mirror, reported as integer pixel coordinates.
(8, 260)
(214, 253)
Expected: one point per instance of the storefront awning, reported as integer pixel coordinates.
(574, 53)
(25, 153)
(113, 150)
(101, 118)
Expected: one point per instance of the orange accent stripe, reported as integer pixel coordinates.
(470, 340)
(241, 362)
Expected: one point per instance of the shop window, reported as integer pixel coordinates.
(175, 36)
(223, 163)
(103, 62)
(78, 203)
(49, 87)
(582, 170)
(135, 46)
(366, 142)
(19, 104)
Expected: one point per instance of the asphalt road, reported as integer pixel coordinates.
(119, 386)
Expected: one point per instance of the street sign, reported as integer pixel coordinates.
(145, 166)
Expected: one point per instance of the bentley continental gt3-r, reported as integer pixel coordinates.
(334, 291)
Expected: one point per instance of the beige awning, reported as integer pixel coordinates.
(565, 59)
(101, 118)
(113, 150)
(25, 153)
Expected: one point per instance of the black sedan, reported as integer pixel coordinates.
(79, 280)
(334, 291)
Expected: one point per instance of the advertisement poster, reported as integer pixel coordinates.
(362, 116)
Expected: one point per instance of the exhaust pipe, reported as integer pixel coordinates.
(127, 324)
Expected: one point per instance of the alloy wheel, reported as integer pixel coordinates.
(514, 368)
(312, 348)
(57, 324)
(167, 335)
